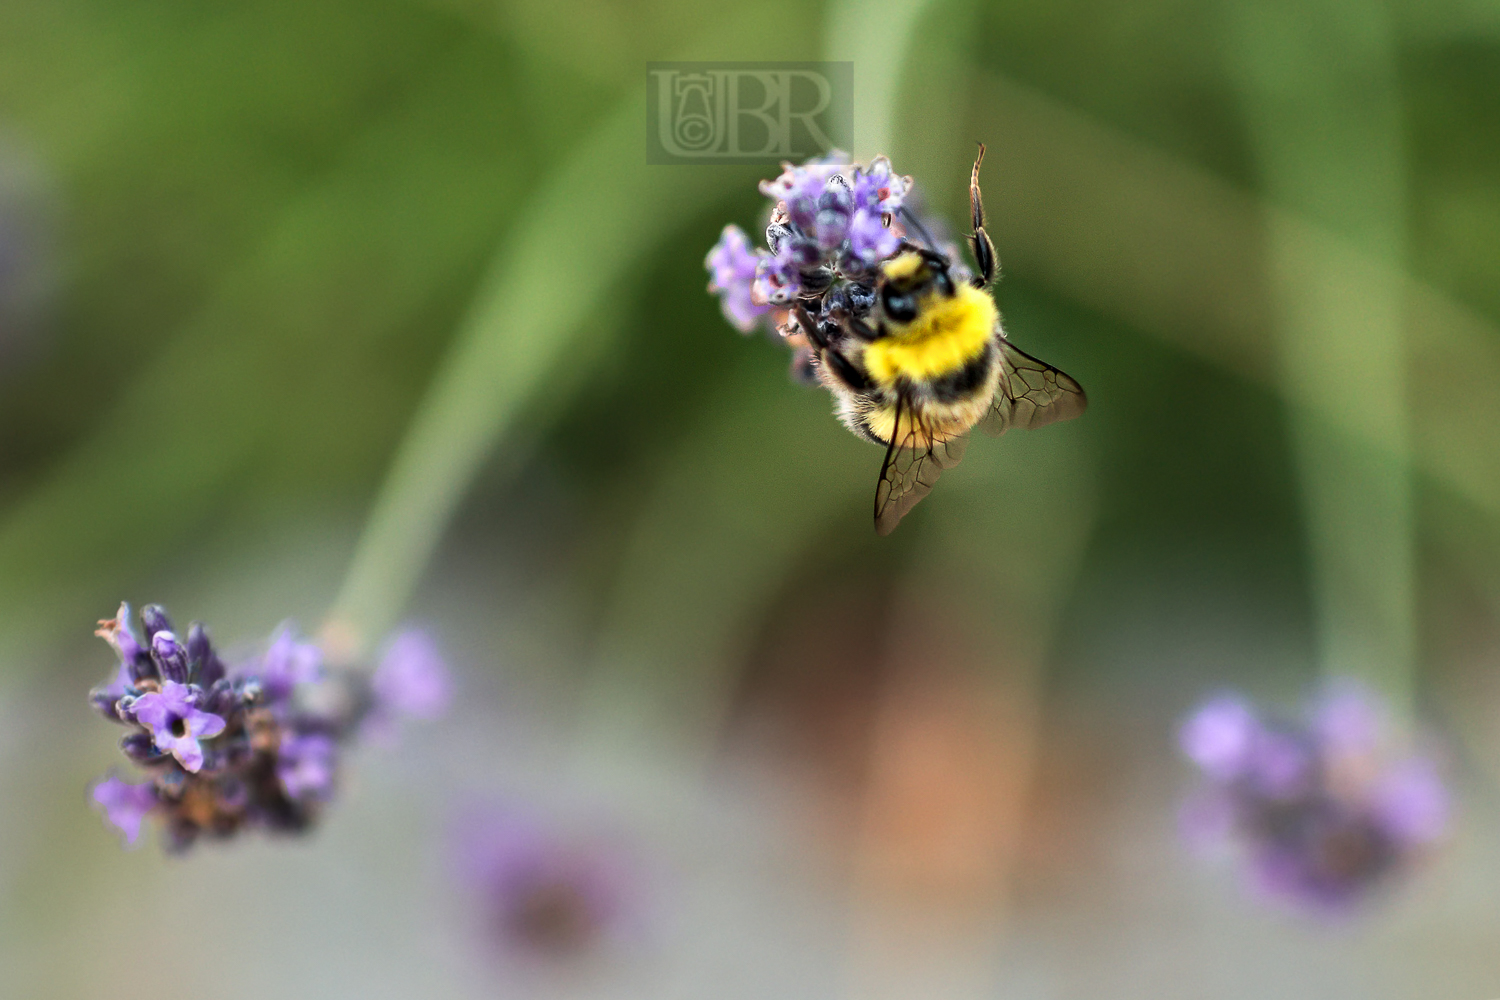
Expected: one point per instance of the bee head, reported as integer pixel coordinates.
(910, 278)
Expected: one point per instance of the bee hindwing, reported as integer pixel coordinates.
(913, 462)
(1031, 394)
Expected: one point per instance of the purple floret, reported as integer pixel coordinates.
(731, 264)
(125, 805)
(288, 662)
(1219, 737)
(176, 723)
(412, 678)
(306, 765)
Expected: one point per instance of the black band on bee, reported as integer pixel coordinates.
(963, 383)
(942, 280)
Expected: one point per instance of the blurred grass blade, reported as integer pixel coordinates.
(1164, 245)
(876, 37)
(591, 225)
(1327, 132)
(322, 316)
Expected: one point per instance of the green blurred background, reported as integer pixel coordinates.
(287, 289)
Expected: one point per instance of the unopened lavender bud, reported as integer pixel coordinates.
(834, 208)
(220, 698)
(143, 669)
(199, 651)
(140, 748)
(104, 701)
(154, 619)
(171, 656)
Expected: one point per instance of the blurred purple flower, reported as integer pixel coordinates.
(1322, 809)
(412, 678)
(125, 805)
(544, 895)
(1218, 737)
(305, 765)
(288, 662)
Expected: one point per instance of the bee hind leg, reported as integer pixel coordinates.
(984, 250)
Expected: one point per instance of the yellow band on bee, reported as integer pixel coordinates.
(947, 334)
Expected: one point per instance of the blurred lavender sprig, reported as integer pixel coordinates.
(257, 746)
(544, 895)
(1322, 808)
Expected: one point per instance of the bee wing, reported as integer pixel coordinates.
(913, 462)
(1031, 394)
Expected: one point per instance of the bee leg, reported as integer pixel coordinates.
(846, 371)
(809, 326)
(984, 250)
(861, 329)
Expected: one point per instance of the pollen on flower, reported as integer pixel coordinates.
(224, 750)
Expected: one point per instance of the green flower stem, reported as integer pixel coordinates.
(1322, 99)
(876, 36)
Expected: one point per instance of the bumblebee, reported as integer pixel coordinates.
(916, 369)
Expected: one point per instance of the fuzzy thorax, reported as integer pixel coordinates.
(948, 333)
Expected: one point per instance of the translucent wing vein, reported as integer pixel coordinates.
(1031, 394)
(913, 462)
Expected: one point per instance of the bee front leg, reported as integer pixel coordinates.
(846, 371)
(809, 327)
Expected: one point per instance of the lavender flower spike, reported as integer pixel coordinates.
(176, 723)
(545, 895)
(832, 224)
(226, 750)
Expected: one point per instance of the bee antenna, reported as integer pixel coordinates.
(916, 224)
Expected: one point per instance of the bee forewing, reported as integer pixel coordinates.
(1031, 394)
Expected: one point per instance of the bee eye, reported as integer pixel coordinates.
(898, 305)
(943, 281)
